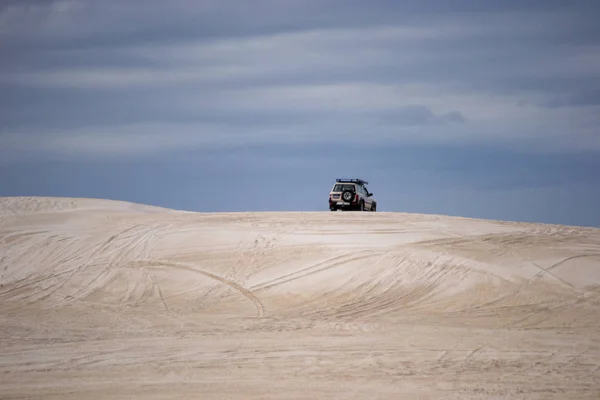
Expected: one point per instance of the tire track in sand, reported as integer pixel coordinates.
(318, 267)
(260, 309)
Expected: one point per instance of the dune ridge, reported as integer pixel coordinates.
(110, 299)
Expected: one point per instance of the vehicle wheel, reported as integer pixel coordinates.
(347, 196)
(332, 209)
(362, 206)
(374, 207)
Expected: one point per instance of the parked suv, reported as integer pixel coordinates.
(351, 194)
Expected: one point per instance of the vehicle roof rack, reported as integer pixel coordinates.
(357, 180)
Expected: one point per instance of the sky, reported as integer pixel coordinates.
(468, 108)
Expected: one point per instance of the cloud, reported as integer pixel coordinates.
(585, 98)
(137, 139)
(114, 78)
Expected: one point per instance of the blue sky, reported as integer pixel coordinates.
(479, 109)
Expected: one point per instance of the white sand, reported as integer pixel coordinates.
(103, 299)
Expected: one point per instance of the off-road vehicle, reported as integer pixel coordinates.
(351, 194)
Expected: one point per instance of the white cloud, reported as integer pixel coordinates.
(52, 18)
(538, 131)
(445, 78)
(132, 140)
(109, 141)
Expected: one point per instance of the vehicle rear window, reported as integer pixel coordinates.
(340, 188)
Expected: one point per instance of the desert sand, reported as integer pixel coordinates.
(103, 299)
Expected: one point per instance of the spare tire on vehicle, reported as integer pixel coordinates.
(347, 196)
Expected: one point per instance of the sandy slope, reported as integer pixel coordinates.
(105, 299)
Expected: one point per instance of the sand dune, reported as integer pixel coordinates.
(107, 299)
